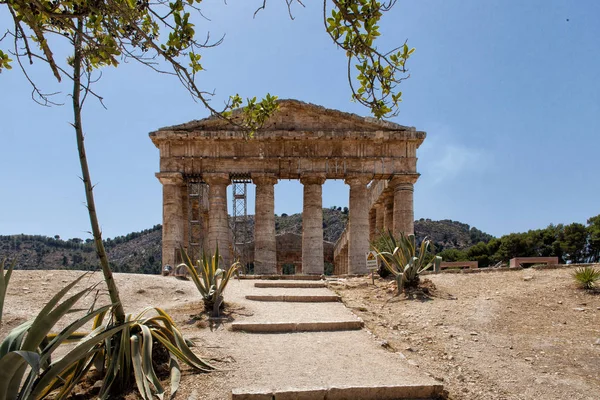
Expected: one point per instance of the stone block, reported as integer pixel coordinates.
(245, 394)
(310, 394)
(391, 392)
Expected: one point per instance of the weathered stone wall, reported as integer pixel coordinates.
(289, 251)
(300, 141)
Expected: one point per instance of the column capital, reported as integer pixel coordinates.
(402, 180)
(312, 179)
(216, 178)
(170, 178)
(264, 179)
(358, 179)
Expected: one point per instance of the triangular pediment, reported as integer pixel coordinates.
(294, 115)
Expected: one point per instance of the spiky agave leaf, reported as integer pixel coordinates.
(211, 280)
(36, 333)
(31, 344)
(131, 355)
(83, 350)
(586, 277)
(403, 262)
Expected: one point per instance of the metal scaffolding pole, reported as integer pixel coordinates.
(240, 224)
(196, 191)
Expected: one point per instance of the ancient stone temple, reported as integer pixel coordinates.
(301, 141)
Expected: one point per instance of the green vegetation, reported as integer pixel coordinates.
(32, 345)
(138, 252)
(101, 34)
(573, 243)
(449, 234)
(405, 260)
(134, 358)
(586, 277)
(4, 280)
(211, 281)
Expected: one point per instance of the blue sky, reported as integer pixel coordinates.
(507, 91)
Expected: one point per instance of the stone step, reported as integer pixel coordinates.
(284, 277)
(295, 298)
(290, 327)
(388, 392)
(290, 284)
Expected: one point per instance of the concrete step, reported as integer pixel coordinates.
(284, 277)
(391, 392)
(290, 284)
(290, 327)
(295, 298)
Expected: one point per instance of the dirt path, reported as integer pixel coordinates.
(526, 334)
(252, 362)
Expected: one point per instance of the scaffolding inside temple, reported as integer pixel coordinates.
(196, 191)
(240, 223)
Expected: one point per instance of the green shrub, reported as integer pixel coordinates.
(128, 355)
(26, 367)
(211, 281)
(400, 257)
(586, 277)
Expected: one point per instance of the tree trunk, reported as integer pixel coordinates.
(113, 292)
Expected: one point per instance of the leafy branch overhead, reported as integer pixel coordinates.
(162, 36)
(353, 25)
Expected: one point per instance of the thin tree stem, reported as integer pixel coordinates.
(113, 292)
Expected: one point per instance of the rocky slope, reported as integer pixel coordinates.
(140, 252)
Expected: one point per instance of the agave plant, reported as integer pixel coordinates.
(26, 368)
(129, 354)
(400, 257)
(211, 281)
(586, 277)
(4, 279)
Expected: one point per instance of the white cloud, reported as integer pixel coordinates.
(442, 158)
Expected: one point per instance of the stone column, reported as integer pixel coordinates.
(379, 219)
(404, 215)
(312, 225)
(345, 260)
(358, 242)
(218, 218)
(372, 224)
(173, 219)
(388, 212)
(265, 245)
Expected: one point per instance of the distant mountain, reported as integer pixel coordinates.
(140, 252)
(448, 234)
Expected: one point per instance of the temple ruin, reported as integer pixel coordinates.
(301, 141)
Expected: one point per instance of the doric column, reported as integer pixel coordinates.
(372, 224)
(312, 225)
(404, 215)
(218, 219)
(358, 243)
(265, 245)
(173, 218)
(345, 260)
(388, 212)
(379, 219)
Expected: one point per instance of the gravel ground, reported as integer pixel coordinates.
(248, 361)
(525, 334)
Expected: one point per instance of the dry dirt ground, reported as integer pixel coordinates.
(525, 334)
(528, 334)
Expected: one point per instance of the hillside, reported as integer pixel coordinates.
(448, 234)
(140, 252)
(136, 252)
